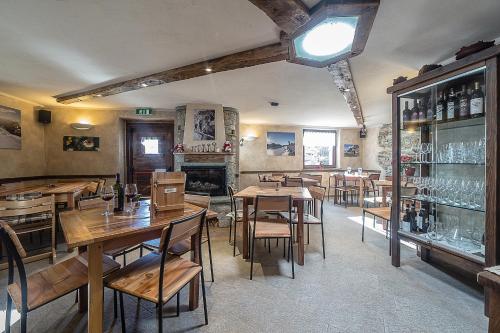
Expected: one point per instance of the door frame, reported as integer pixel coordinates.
(130, 124)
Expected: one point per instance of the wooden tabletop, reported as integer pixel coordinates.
(297, 193)
(56, 188)
(90, 226)
(381, 212)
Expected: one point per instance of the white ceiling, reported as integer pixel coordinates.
(55, 46)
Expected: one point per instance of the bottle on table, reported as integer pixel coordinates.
(452, 106)
(477, 102)
(119, 194)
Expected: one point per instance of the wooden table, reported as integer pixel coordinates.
(281, 179)
(359, 179)
(64, 192)
(385, 186)
(383, 213)
(90, 228)
(299, 196)
(491, 284)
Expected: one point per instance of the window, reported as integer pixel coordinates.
(151, 145)
(319, 148)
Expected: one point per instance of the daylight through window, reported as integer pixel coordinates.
(319, 148)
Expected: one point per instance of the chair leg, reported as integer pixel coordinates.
(308, 231)
(160, 316)
(234, 238)
(8, 314)
(231, 229)
(178, 304)
(251, 257)
(269, 245)
(141, 251)
(284, 247)
(115, 304)
(122, 313)
(124, 259)
(323, 239)
(210, 253)
(293, 265)
(363, 228)
(24, 323)
(204, 297)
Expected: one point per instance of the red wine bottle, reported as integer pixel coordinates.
(477, 102)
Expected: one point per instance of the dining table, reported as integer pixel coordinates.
(66, 192)
(299, 196)
(281, 179)
(357, 179)
(92, 230)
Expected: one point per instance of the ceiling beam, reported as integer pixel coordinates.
(289, 15)
(258, 56)
(342, 76)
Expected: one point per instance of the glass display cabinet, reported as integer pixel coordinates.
(445, 161)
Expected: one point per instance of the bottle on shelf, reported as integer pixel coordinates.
(464, 102)
(483, 247)
(441, 108)
(452, 106)
(422, 112)
(406, 222)
(413, 218)
(430, 111)
(406, 113)
(414, 111)
(119, 194)
(477, 102)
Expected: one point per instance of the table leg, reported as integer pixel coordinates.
(300, 233)
(95, 288)
(71, 201)
(194, 286)
(361, 197)
(384, 196)
(245, 229)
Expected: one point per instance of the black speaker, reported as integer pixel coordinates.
(44, 116)
(362, 132)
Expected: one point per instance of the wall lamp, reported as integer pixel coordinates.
(81, 126)
(247, 138)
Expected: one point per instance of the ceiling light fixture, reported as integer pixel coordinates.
(328, 38)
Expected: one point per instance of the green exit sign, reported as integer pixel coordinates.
(144, 111)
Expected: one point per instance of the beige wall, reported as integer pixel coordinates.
(30, 160)
(371, 149)
(253, 156)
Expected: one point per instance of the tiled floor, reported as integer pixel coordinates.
(354, 290)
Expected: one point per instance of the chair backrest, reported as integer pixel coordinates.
(294, 182)
(90, 203)
(28, 211)
(92, 187)
(270, 203)
(100, 185)
(408, 191)
(389, 178)
(374, 176)
(277, 174)
(232, 199)
(12, 236)
(202, 201)
(318, 194)
(318, 178)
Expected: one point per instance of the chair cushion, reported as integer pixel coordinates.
(141, 277)
(270, 229)
(57, 280)
(308, 218)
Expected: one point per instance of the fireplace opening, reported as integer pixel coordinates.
(209, 179)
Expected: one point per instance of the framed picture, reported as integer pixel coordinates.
(10, 128)
(281, 143)
(80, 143)
(204, 125)
(351, 150)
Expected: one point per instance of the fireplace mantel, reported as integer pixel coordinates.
(211, 153)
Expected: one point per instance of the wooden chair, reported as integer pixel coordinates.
(315, 215)
(293, 182)
(28, 216)
(374, 176)
(343, 190)
(157, 277)
(266, 229)
(42, 287)
(278, 174)
(92, 188)
(101, 184)
(184, 246)
(370, 188)
(91, 202)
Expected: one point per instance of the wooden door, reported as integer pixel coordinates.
(149, 148)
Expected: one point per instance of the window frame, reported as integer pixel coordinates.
(334, 150)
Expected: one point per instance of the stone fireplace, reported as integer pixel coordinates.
(208, 178)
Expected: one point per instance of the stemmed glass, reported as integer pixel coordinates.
(107, 194)
(130, 192)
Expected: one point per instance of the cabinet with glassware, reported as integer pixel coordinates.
(445, 161)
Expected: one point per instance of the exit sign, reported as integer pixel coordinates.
(144, 111)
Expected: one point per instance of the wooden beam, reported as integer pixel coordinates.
(289, 15)
(258, 56)
(342, 76)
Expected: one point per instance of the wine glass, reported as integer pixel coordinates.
(130, 192)
(107, 194)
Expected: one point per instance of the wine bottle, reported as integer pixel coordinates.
(422, 112)
(406, 223)
(119, 194)
(477, 102)
(406, 113)
(414, 111)
(430, 111)
(441, 108)
(420, 219)
(463, 101)
(452, 106)
(413, 218)
(483, 247)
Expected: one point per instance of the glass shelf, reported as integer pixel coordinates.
(459, 123)
(441, 203)
(441, 163)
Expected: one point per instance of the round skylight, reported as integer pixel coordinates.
(328, 38)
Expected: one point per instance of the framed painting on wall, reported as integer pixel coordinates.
(351, 150)
(281, 143)
(204, 124)
(10, 128)
(80, 143)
